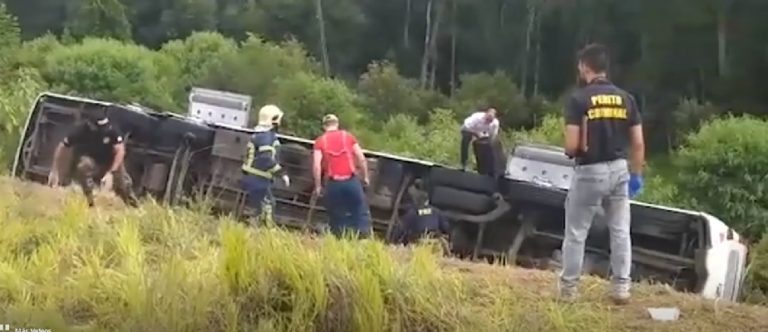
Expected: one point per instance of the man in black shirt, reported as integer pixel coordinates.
(98, 152)
(602, 124)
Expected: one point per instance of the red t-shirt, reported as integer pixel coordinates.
(338, 153)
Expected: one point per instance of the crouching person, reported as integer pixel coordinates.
(98, 153)
(420, 221)
(261, 163)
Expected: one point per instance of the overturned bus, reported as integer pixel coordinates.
(517, 216)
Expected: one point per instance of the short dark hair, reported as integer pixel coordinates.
(595, 57)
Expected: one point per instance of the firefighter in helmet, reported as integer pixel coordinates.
(261, 164)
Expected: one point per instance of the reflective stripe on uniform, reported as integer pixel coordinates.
(251, 156)
(265, 174)
(271, 148)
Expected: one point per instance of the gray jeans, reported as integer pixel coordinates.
(593, 186)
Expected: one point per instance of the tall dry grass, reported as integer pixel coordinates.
(65, 267)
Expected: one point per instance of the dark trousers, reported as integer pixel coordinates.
(88, 173)
(347, 207)
(466, 137)
(260, 196)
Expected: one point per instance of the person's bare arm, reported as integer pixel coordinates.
(119, 157)
(572, 140)
(317, 158)
(362, 163)
(574, 121)
(637, 147)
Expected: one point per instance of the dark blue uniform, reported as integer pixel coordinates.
(418, 221)
(260, 167)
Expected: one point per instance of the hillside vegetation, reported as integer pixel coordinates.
(402, 74)
(66, 268)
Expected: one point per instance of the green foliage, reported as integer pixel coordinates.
(9, 31)
(33, 53)
(724, 169)
(183, 17)
(113, 70)
(438, 140)
(16, 93)
(197, 54)
(498, 90)
(156, 268)
(386, 93)
(690, 114)
(99, 18)
(661, 191)
(255, 69)
(306, 98)
(756, 283)
(550, 131)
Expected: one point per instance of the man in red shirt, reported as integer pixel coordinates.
(335, 154)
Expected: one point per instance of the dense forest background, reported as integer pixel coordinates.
(673, 55)
(402, 74)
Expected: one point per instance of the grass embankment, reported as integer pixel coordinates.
(65, 267)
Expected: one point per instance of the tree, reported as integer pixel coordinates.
(198, 54)
(723, 169)
(386, 93)
(496, 90)
(113, 70)
(309, 97)
(99, 18)
(256, 67)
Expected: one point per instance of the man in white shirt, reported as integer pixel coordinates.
(478, 125)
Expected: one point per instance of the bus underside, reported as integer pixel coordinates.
(173, 158)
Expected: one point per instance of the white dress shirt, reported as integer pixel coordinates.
(476, 124)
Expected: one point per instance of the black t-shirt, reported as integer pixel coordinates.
(608, 112)
(96, 143)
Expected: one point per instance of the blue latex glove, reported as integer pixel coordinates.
(635, 185)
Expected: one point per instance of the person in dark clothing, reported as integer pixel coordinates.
(604, 134)
(420, 220)
(261, 164)
(98, 153)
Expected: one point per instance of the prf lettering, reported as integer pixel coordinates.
(607, 107)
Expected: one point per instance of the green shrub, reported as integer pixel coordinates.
(756, 283)
(550, 131)
(723, 168)
(256, 67)
(198, 53)
(437, 141)
(17, 93)
(306, 98)
(690, 114)
(113, 70)
(386, 93)
(497, 89)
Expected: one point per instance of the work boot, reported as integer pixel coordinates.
(620, 294)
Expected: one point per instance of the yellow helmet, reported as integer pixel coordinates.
(270, 115)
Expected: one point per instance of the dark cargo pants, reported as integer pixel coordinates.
(594, 186)
(88, 173)
(347, 207)
(260, 197)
